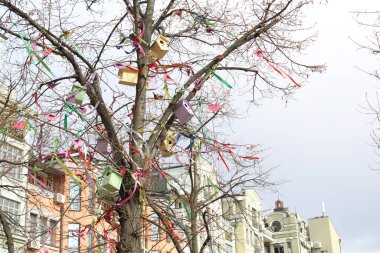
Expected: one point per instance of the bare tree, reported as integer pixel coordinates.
(370, 21)
(214, 47)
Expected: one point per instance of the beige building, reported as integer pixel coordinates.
(244, 212)
(323, 235)
(289, 231)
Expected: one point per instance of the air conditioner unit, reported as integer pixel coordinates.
(34, 244)
(317, 245)
(59, 198)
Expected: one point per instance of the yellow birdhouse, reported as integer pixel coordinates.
(128, 76)
(160, 47)
(167, 146)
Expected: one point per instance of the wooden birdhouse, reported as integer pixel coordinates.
(167, 146)
(183, 111)
(103, 146)
(80, 92)
(111, 180)
(160, 47)
(128, 76)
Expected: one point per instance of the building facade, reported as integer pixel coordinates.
(323, 235)
(62, 214)
(13, 172)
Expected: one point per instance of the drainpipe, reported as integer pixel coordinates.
(61, 228)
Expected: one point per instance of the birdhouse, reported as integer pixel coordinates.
(103, 146)
(80, 92)
(167, 146)
(160, 47)
(128, 76)
(183, 111)
(111, 180)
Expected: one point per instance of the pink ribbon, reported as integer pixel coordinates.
(46, 250)
(52, 117)
(260, 54)
(136, 175)
(19, 125)
(136, 38)
(35, 96)
(215, 108)
(46, 52)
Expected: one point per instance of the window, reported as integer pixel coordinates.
(276, 226)
(91, 198)
(103, 244)
(74, 196)
(278, 249)
(12, 154)
(229, 249)
(254, 217)
(178, 204)
(289, 244)
(155, 233)
(89, 242)
(43, 229)
(73, 243)
(12, 209)
(33, 225)
(53, 233)
(40, 226)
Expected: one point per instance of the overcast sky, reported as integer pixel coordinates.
(321, 141)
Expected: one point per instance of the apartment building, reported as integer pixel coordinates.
(62, 213)
(244, 213)
(203, 183)
(288, 231)
(13, 173)
(323, 235)
(291, 234)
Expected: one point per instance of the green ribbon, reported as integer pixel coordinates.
(71, 107)
(221, 79)
(182, 201)
(31, 51)
(212, 184)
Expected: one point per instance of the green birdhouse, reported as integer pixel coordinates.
(111, 180)
(79, 93)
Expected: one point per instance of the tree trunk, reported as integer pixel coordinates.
(7, 232)
(194, 207)
(130, 213)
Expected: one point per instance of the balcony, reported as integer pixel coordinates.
(267, 235)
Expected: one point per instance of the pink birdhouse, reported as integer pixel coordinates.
(183, 111)
(103, 147)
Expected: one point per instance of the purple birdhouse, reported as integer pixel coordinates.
(103, 147)
(183, 111)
